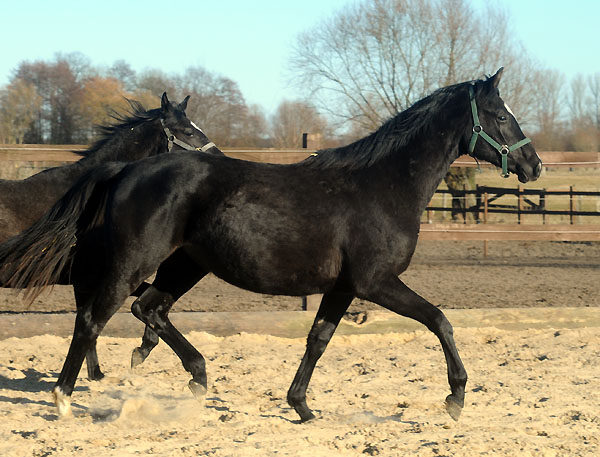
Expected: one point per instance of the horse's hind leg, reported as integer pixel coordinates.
(150, 338)
(152, 308)
(149, 342)
(92, 316)
(175, 276)
(172, 275)
(332, 308)
(93, 365)
(394, 295)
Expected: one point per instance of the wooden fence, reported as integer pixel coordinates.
(63, 153)
(52, 155)
(485, 198)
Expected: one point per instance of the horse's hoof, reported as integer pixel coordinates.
(136, 358)
(304, 418)
(198, 390)
(63, 403)
(453, 408)
(96, 375)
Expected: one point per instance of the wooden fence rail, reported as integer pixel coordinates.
(485, 196)
(63, 153)
(509, 232)
(49, 155)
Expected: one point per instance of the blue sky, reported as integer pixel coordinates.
(248, 41)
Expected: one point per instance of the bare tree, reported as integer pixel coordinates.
(19, 104)
(219, 107)
(577, 100)
(59, 117)
(255, 129)
(376, 57)
(594, 100)
(548, 93)
(292, 119)
(122, 71)
(584, 110)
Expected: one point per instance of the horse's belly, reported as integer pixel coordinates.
(271, 265)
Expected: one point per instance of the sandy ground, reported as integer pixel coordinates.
(530, 393)
(449, 274)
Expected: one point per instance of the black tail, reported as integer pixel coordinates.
(37, 257)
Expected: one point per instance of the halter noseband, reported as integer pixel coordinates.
(478, 131)
(172, 139)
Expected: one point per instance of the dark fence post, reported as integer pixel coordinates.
(464, 202)
(543, 204)
(571, 208)
(519, 203)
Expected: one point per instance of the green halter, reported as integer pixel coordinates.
(478, 131)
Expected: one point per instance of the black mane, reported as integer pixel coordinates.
(394, 135)
(135, 116)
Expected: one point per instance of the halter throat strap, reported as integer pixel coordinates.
(172, 139)
(478, 131)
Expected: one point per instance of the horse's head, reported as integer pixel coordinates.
(496, 136)
(183, 134)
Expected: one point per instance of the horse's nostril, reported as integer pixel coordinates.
(538, 170)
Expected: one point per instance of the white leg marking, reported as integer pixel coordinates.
(63, 403)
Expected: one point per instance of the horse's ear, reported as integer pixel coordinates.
(183, 104)
(164, 102)
(495, 80)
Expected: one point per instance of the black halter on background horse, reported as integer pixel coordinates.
(344, 223)
(137, 135)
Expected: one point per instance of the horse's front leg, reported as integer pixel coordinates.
(394, 295)
(332, 308)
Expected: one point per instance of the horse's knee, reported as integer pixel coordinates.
(318, 338)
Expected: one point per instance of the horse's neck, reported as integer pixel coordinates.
(419, 168)
(126, 146)
(137, 143)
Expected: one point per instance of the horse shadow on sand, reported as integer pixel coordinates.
(34, 382)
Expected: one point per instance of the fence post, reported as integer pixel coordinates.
(543, 205)
(485, 216)
(571, 217)
(444, 207)
(478, 203)
(464, 202)
(519, 203)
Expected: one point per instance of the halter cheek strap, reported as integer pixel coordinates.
(172, 139)
(478, 131)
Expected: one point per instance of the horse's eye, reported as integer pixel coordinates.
(502, 118)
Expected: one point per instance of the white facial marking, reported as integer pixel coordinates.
(195, 126)
(509, 110)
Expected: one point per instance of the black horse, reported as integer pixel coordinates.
(139, 134)
(132, 137)
(344, 223)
